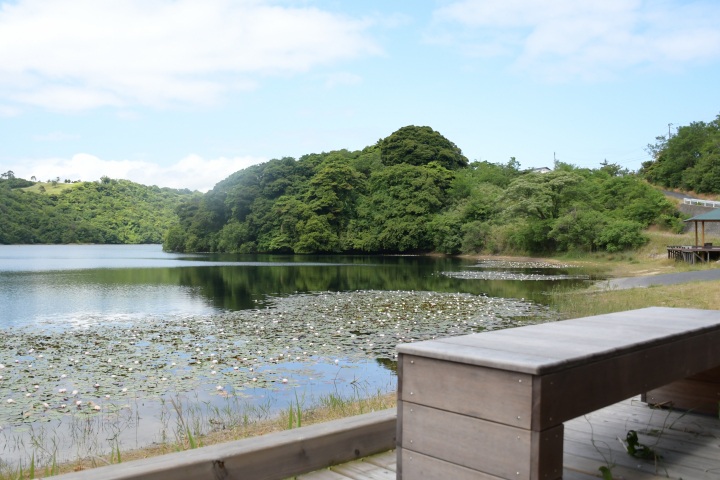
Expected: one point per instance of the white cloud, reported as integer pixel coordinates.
(82, 54)
(193, 171)
(8, 111)
(593, 40)
(342, 79)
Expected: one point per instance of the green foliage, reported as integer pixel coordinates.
(402, 200)
(606, 472)
(689, 160)
(639, 450)
(109, 211)
(402, 195)
(411, 192)
(421, 146)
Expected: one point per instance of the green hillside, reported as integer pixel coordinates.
(106, 211)
(688, 160)
(414, 191)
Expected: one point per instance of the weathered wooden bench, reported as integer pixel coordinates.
(492, 405)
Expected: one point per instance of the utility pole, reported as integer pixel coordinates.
(669, 125)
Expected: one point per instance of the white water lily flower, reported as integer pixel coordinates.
(96, 407)
(10, 400)
(62, 390)
(219, 387)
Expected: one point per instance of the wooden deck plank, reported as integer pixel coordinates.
(689, 443)
(361, 470)
(385, 460)
(381, 466)
(685, 454)
(326, 474)
(655, 436)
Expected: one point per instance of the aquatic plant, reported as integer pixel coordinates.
(96, 372)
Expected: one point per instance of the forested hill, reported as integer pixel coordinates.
(414, 191)
(106, 211)
(688, 160)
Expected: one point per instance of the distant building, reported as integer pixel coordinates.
(540, 170)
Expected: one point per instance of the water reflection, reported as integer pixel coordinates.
(45, 282)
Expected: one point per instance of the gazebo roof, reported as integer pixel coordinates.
(711, 216)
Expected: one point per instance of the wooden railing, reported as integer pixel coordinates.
(269, 457)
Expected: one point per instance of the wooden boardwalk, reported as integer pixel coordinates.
(693, 254)
(689, 445)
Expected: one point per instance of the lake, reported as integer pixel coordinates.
(104, 335)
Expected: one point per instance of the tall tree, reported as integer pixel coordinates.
(421, 146)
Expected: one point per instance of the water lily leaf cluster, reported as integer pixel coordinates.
(106, 363)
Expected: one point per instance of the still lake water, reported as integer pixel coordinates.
(124, 328)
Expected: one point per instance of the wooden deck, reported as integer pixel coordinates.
(688, 443)
(693, 254)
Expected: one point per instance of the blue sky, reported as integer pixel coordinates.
(181, 93)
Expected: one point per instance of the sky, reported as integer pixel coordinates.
(182, 93)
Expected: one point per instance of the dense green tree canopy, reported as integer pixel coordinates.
(689, 160)
(411, 192)
(421, 146)
(108, 211)
(415, 192)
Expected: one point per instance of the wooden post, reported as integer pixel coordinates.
(463, 421)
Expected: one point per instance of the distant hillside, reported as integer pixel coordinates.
(415, 191)
(106, 211)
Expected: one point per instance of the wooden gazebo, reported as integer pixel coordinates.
(701, 251)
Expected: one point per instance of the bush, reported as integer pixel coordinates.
(621, 235)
